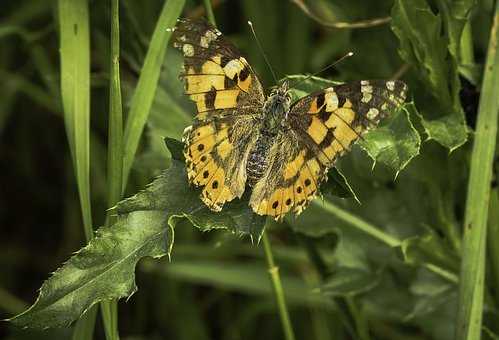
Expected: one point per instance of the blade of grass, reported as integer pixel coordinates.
(469, 321)
(114, 152)
(75, 94)
(209, 12)
(146, 87)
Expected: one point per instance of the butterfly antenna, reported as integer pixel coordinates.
(262, 51)
(349, 54)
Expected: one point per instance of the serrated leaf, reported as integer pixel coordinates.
(338, 185)
(447, 130)
(102, 270)
(171, 192)
(347, 282)
(425, 48)
(394, 143)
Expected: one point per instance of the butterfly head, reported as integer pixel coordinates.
(278, 102)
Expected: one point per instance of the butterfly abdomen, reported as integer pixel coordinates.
(258, 158)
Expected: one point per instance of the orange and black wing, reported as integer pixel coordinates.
(229, 100)
(324, 125)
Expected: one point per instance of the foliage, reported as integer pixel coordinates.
(377, 257)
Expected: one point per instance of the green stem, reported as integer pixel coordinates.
(493, 239)
(472, 276)
(358, 223)
(278, 290)
(209, 12)
(114, 154)
(359, 318)
(371, 230)
(466, 45)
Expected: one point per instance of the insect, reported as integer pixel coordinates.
(242, 139)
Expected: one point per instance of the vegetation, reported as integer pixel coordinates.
(403, 244)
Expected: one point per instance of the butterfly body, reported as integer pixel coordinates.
(273, 121)
(243, 140)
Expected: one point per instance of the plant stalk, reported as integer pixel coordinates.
(114, 153)
(472, 276)
(278, 290)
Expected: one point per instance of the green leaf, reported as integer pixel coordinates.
(348, 282)
(146, 87)
(447, 130)
(75, 92)
(429, 248)
(394, 143)
(337, 185)
(455, 14)
(171, 193)
(103, 270)
(432, 292)
(424, 47)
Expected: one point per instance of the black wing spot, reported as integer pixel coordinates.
(244, 74)
(298, 190)
(206, 173)
(209, 98)
(307, 182)
(321, 98)
(275, 204)
(200, 147)
(214, 185)
(224, 60)
(203, 158)
(230, 83)
(288, 201)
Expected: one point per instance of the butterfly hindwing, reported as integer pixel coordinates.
(291, 180)
(228, 98)
(324, 125)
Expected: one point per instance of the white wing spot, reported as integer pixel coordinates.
(331, 100)
(188, 50)
(366, 97)
(390, 85)
(372, 113)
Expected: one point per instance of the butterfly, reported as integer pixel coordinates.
(242, 139)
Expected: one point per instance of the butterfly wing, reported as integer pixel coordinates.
(323, 126)
(229, 99)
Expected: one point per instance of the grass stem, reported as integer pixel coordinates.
(278, 290)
